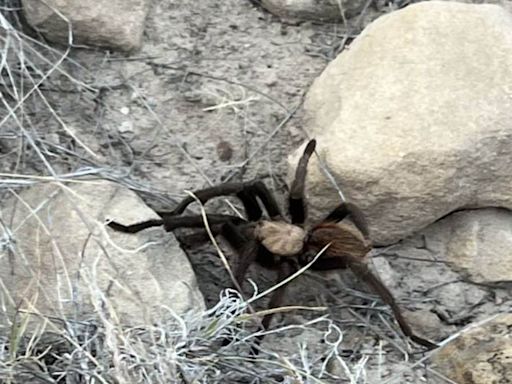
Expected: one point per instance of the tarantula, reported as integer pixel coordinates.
(286, 246)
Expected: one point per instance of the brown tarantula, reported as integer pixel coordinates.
(277, 244)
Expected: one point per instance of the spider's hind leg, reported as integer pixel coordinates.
(363, 272)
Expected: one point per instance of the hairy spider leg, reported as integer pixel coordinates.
(251, 205)
(249, 251)
(246, 249)
(363, 272)
(197, 221)
(296, 203)
(171, 223)
(348, 209)
(286, 269)
(247, 192)
(231, 228)
(134, 228)
(259, 189)
(224, 225)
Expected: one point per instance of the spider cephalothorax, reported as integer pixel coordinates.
(280, 238)
(274, 242)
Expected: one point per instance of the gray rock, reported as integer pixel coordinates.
(480, 356)
(415, 119)
(476, 243)
(117, 24)
(326, 10)
(66, 264)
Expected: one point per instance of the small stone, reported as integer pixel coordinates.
(117, 24)
(224, 151)
(126, 127)
(270, 79)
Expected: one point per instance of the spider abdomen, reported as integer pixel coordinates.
(280, 238)
(346, 241)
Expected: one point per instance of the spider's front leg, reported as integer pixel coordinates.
(296, 203)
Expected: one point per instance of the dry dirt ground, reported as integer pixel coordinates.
(212, 97)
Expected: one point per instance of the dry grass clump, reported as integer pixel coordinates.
(181, 349)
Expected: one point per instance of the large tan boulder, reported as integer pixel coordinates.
(415, 119)
(117, 24)
(66, 264)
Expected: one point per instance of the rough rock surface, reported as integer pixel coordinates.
(415, 119)
(66, 264)
(482, 355)
(326, 10)
(117, 24)
(476, 243)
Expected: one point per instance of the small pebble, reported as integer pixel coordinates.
(224, 150)
(126, 127)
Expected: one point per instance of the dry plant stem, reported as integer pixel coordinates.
(291, 277)
(214, 242)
